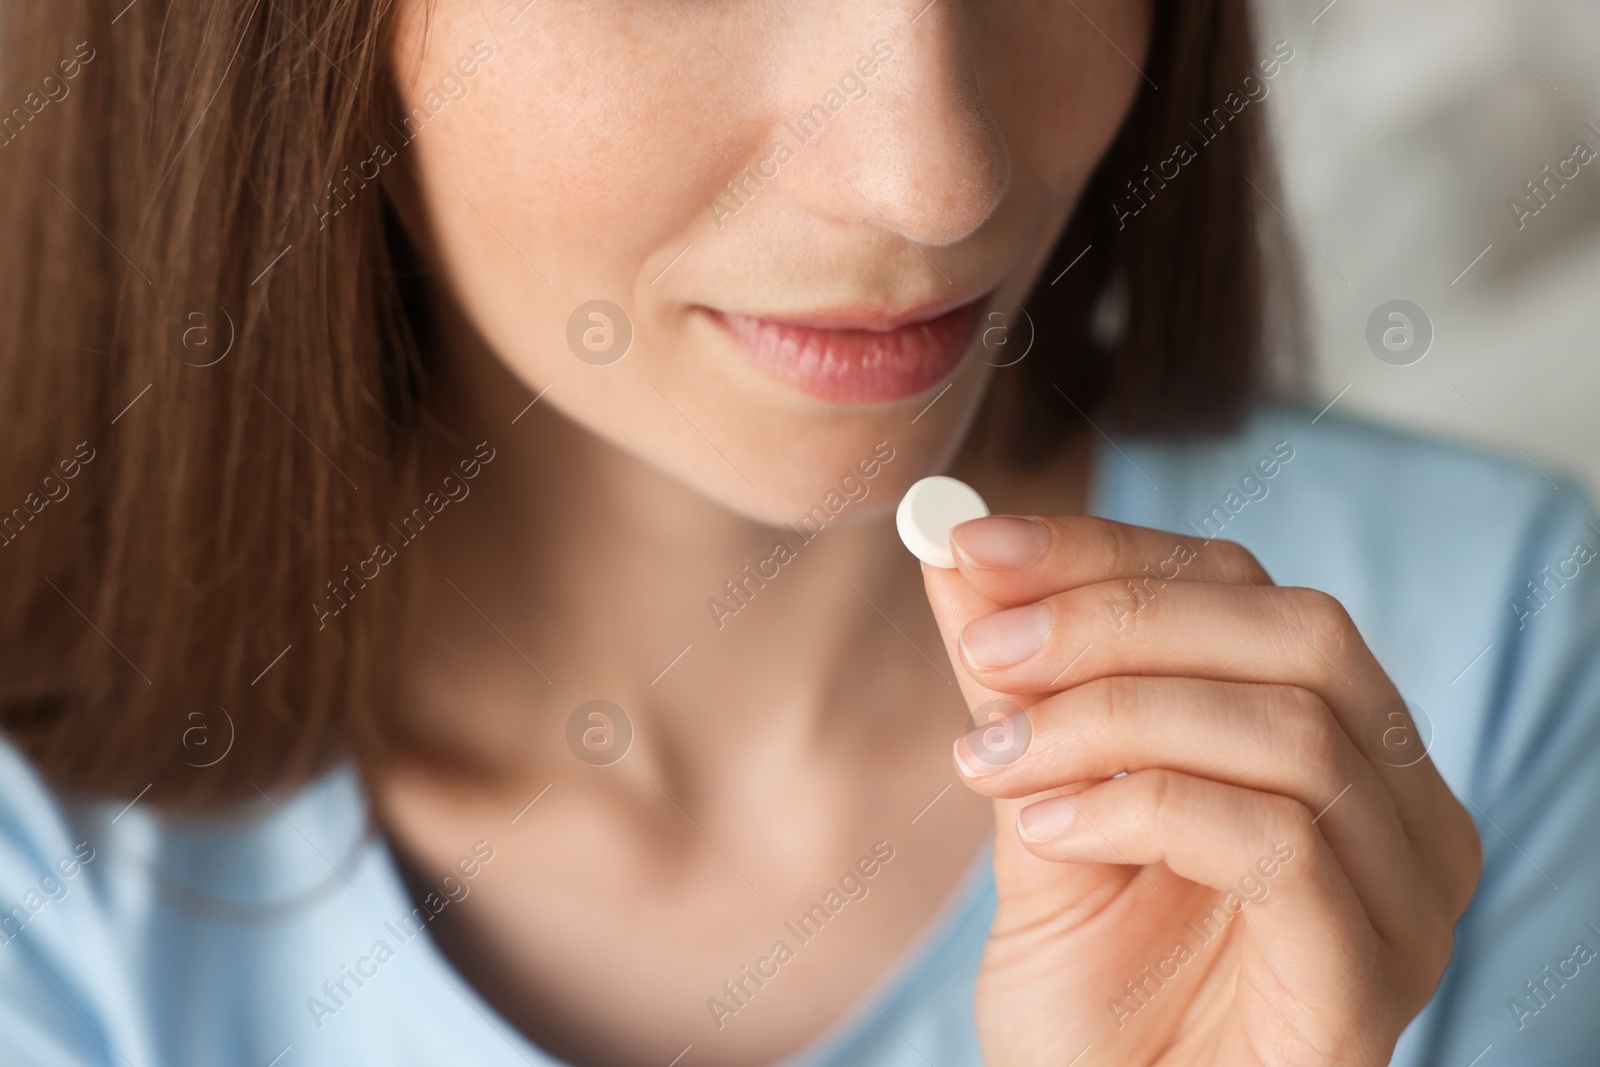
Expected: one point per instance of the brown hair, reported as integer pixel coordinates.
(166, 516)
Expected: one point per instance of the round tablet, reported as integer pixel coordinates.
(930, 510)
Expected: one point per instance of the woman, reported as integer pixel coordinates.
(462, 620)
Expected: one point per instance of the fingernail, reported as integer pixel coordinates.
(1000, 542)
(968, 760)
(1041, 823)
(1006, 637)
(1001, 738)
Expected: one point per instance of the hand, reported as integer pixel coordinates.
(1264, 885)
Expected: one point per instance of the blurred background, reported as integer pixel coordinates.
(1405, 130)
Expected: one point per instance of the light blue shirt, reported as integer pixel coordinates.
(137, 939)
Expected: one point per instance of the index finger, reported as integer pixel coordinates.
(1017, 559)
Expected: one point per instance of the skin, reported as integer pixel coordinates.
(578, 163)
(1242, 714)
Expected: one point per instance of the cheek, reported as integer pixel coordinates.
(580, 163)
(582, 144)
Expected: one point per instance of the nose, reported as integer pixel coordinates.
(918, 150)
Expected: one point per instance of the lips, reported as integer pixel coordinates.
(835, 359)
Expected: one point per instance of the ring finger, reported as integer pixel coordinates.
(1276, 739)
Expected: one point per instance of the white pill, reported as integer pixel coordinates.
(930, 510)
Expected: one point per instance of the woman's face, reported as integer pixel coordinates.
(815, 216)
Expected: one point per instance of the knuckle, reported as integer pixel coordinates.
(1430, 955)
(1324, 620)
(1308, 735)
(1090, 722)
(1129, 606)
(1089, 711)
(1156, 800)
(1117, 700)
(1441, 947)
(1289, 820)
(1463, 885)
(1234, 561)
(1118, 545)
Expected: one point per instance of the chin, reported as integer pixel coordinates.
(844, 467)
(857, 462)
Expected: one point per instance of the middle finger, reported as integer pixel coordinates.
(1222, 632)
